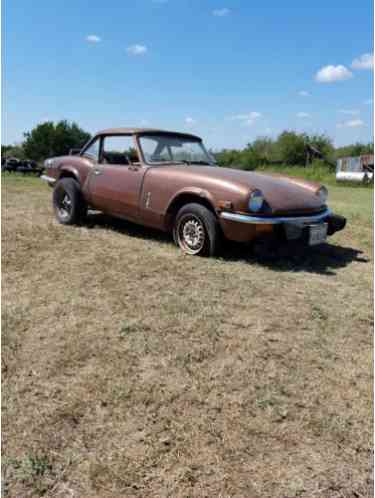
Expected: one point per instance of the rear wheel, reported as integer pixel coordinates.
(68, 202)
(196, 230)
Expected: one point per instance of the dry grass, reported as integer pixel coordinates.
(130, 370)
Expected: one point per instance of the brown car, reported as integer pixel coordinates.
(169, 181)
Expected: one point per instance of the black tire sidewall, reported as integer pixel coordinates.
(71, 187)
(210, 224)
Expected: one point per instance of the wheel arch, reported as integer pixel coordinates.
(69, 172)
(184, 197)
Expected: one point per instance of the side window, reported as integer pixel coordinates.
(93, 151)
(119, 149)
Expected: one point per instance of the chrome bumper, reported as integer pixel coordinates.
(48, 179)
(274, 220)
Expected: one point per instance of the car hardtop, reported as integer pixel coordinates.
(145, 131)
(137, 132)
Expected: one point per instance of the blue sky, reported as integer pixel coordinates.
(228, 70)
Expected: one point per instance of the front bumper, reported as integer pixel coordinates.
(49, 179)
(244, 228)
(275, 220)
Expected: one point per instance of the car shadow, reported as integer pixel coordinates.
(95, 219)
(287, 257)
(295, 257)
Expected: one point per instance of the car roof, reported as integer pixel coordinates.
(144, 131)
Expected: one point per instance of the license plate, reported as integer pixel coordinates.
(317, 234)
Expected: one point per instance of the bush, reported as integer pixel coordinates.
(292, 147)
(228, 157)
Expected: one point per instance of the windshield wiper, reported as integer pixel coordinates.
(189, 163)
(185, 161)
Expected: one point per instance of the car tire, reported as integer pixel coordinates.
(196, 230)
(68, 202)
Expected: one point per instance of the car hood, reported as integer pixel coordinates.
(283, 194)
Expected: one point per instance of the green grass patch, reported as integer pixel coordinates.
(21, 180)
(355, 204)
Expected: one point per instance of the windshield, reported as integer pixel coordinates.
(172, 149)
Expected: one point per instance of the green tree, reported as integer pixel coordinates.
(12, 151)
(264, 148)
(291, 147)
(49, 139)
(324, 144)
(356, 149)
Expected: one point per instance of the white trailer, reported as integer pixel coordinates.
(358, 169)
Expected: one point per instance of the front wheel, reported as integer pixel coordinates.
(68, 203)
(196, 230)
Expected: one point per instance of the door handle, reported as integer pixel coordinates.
(133, 168)
(97, 171)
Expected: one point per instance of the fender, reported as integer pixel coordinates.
(179, 199)
(194, 191)
(71, 170)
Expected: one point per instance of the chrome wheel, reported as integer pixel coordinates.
(65, 206)
(191, 234)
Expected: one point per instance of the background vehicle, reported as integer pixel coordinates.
(26, 166)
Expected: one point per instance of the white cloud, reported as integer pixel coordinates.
(303, 115)
(240, 116)
(189, 121)
(247, 119)
(250, 115)
(255, 115)
(137, 49)
(303, 93)
(364, 61)
(329, 74)
(353, 123)
(93, 39)
(350, 112)
(221, 12)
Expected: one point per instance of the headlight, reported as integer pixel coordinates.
(323, 194)
(256, 201)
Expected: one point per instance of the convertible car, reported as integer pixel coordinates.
(168, 180)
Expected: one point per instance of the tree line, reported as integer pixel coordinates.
(289, 148)
(50, 139)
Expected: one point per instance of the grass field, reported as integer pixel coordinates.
(131, 370)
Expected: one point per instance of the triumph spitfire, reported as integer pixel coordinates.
(169, 181)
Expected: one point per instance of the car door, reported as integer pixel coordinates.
(116, 179)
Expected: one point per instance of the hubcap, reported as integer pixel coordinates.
(65, 206)
(191, 234)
